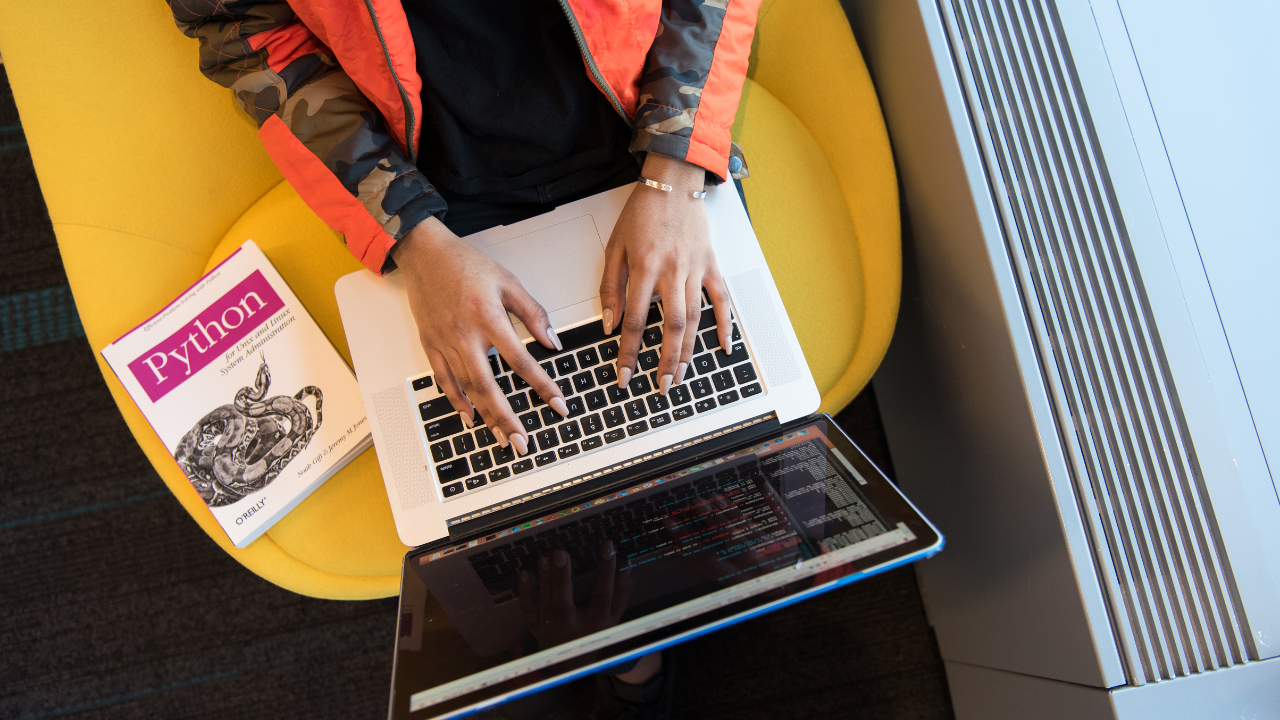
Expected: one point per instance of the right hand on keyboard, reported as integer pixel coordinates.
(459, 298)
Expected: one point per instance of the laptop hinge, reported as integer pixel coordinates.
(512, 512)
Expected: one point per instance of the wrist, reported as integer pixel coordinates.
(423, 239)
(683, 177)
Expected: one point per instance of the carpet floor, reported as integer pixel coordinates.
(115, 604)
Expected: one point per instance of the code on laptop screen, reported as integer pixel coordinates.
(632, 558)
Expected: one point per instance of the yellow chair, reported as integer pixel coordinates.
(152, 175)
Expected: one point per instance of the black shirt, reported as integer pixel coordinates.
(509, 112)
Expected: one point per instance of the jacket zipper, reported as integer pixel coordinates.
(409, 120)
(591, 63)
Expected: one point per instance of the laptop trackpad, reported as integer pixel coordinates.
(559, 265)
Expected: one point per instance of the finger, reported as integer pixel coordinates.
(521, 304)
(544, 586)
(621, 592)
(693, 315)
(448, 383)
(561, 584)
(528, 605)
(601, 603)
(613, 286)
(523, 364)
(483, 390)
(719, 295)
(673, 333)
(639, 295)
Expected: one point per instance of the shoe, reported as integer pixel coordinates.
(617, 700)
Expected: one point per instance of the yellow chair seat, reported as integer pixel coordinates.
(151, 177)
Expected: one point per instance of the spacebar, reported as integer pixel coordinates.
(571, 339)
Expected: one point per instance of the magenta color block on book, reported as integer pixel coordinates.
(211, 334)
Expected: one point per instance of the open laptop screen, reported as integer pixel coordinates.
(758, 526)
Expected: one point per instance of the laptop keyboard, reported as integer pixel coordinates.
(601, 413)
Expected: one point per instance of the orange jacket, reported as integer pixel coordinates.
(334, 88)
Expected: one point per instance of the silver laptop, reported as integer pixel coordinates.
(440, 474)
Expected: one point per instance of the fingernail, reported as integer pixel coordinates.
(624, 376)
(468, 420)
(606, 319)
(521, 446)
(560, 558)
(664, 384)
(606, 550)
(684, 367)
(557, 404)
(502, 436)
(554, 339)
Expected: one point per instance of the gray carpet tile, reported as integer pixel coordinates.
(116, 605)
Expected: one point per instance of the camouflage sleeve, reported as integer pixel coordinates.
(692, 82)
(328, 139)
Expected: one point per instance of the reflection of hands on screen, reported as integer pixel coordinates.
(719, 542)
(548, 604)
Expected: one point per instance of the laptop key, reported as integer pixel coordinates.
(548, 439)
(711, 339)
(519, 402)
(504, 382)
(596, 400)
(727, 397)
(549, 369)
(707, 320)
(453, 470)
(636, 428)
(484, 437)
(613, 417)
(566, 386)
(545, 458)
(591, 424)
(736, 335)
(530, 422)
(705, 405)
(481, 461)
(652, 336)
(576, 406)
(503, 455)
(477, 481)
(609, 351)
(749, 390)
(432, 409)
(441, 429)
(697, 345)
(583, 382)
(700, 387)
(518, 383)
(655, 315)
(605, 375)
(659, 420)
(657, 403)
(723, 380)
(522, 466)
(745, 373)
(549, 416)
(497, 474)
(703, 364)
(683, 412)
(441, 452)
(618, 394)
(565, 365)
(451, 490)
(614, 436)
(568, 451)
(737, 354)
(493, 363)
(639, 385)
(592, 443)
(463, 444)
(423, 383)
(536, 400)
(636, 410)
(648, 360)
(588, 357)
(570, 432)
(679, 394)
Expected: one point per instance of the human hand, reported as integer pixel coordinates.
(662, 243)
(459, 298)
(748, 541)
(548, 604)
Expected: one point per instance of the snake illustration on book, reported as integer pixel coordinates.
(240, 448)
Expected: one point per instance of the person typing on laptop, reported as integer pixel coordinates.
(406, 124)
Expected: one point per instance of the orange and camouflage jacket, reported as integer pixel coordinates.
(334, 88)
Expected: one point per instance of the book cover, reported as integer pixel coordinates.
(254, 402)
